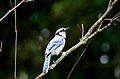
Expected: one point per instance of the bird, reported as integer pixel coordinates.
(54, 47)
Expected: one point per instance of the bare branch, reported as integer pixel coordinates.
(116, 17)
(79, 27)
(39, 76)
(89, 34)
(110, 6)
(101, 29)
(110, 3)
(11, 4)
(77, 61)
(28, 0)
(14, 8)
(82, 30)
(0, 46)
(118, 20)
(15, 63)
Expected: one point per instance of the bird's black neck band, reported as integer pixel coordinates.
(59, 35)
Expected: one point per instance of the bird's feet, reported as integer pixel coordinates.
(63, 53)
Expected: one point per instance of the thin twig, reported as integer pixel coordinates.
(82, 30)
(77, 61)
(15, 66)
(110, 6)
(12, 10)
(116, 16)
(11, 4)
(101, 29)
(0, 46)
(79, 27)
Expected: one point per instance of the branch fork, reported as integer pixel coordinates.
(9, 11)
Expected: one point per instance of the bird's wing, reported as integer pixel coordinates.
(54, 44)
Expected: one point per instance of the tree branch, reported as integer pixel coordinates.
(84, 39)
(0, 46)
(77, 61)
(14, 8)
(82, 30)
(15, 63)
(110, 6)
(16, 34)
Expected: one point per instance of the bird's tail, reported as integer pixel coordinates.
(46, 64)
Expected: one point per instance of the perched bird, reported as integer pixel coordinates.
(54, 47)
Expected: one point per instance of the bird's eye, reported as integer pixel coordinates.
(63, 30)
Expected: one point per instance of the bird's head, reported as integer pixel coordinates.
(62, 32)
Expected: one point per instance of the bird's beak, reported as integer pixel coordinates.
(67, 28)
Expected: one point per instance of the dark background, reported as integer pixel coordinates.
(37, 22)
